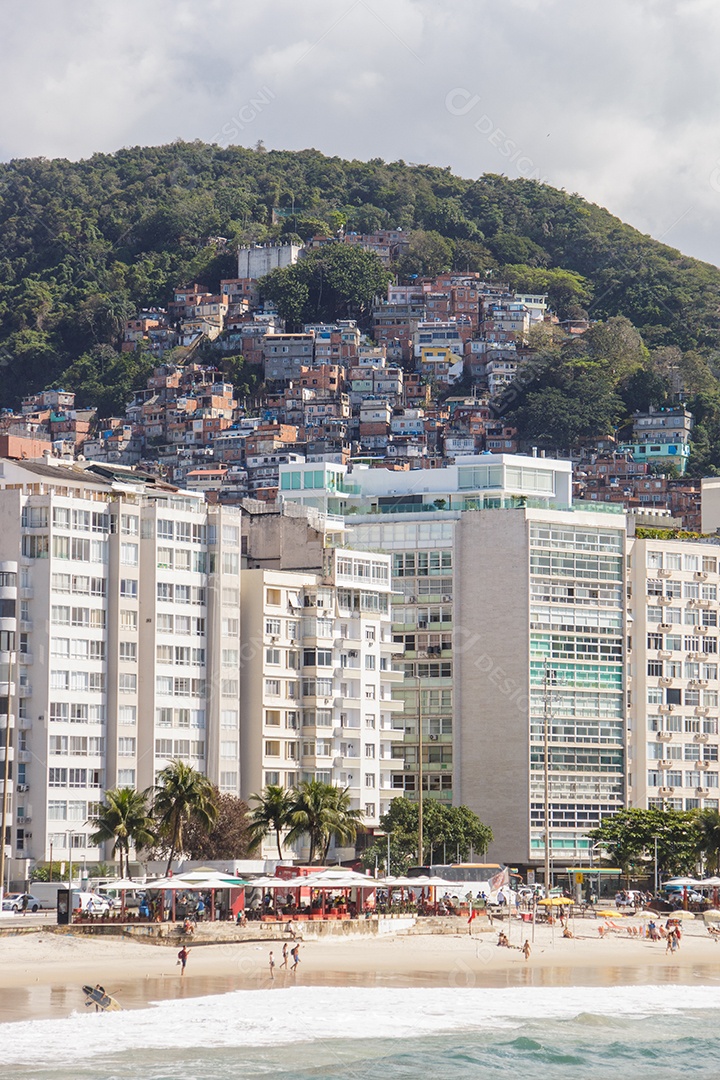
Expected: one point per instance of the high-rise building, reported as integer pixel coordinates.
(128, 642)
(317, 680)
(673, 707)
(528, 584)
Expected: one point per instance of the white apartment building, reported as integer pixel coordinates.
(128, 642)
(317, 680)
(674, 688)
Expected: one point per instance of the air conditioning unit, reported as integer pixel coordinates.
(28, 836)
(700, 736)
(665, 736)
(28, 820)
(702, 629)
(21, 787)
(433, 738)
(665, 763)
(666, 682)
(702, 791)
(447, 599)
(665, 626)
(411, 599)
(353, 653)
(665, 573)
(666, 790)
(700, 575)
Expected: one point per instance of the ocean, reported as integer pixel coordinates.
(544, 1033)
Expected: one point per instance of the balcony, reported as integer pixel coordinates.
(394, 648)
(392, 676)
(389, 705)
(391, 734)
(664, 654)
(665, 736)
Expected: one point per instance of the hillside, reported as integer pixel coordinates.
(83, 244)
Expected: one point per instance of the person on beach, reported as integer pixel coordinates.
(670, 946)
(182, 959)
(284, 955)
(526, 950)
(24, 904)
(271, 962)
(296, 957)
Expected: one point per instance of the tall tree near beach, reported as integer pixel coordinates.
(181, 795)
(323, 813)
(231, 836)
(272, 814)
(708, 827)
(124, 818)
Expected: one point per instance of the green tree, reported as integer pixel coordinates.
(272, 814)
(123, 818)
(428, 254)
(332, 282)
(447, 830)
(629, 839)
(182, 794)
(708, 827)
(322, 812)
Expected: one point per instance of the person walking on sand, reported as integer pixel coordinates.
(271, 962)
(182, 959)
(284, 956)
(670, 946)
(526, 950)
(296, 957)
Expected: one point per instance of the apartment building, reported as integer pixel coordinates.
(462, 589)
(128, 641)
(673, 709)
(317, 678)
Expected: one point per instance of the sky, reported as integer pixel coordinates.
(617, 100)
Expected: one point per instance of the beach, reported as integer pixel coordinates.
(41, 973)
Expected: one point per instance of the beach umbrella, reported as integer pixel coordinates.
(681, 882)
(710, 883)
(711, 916)
(608, 914)
(681, 915)
(555, 900)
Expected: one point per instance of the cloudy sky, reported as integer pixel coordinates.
(618, 100)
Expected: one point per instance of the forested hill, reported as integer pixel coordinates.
(84, 244)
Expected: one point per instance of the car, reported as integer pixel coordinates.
(14, 902)
(92, 903)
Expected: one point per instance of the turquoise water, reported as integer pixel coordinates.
(662, 1033)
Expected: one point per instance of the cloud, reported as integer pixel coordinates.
(616, 101)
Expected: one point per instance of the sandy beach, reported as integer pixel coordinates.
(41, 973)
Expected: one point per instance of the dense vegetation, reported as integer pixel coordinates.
(84, 244)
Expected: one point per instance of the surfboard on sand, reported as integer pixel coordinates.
(96, 996)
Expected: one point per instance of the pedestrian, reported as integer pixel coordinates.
(200, 909)
(284, 955)
(669, 947)
(296, 957)
(182, 959)
(272, 965)
(24, 903)
(526, 949)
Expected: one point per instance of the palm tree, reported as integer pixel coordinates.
(322, 812)
(272, 813)
(708, 823)
(181, 794)
(123, 817)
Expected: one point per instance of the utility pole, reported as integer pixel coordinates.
(546, 726)
(420, 776)
(6, 776)
(655, 838)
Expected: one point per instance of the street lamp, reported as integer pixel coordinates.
(655, 838)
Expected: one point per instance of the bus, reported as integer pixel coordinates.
(464, 878)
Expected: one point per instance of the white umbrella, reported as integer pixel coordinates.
(710, 883)
(682, 881)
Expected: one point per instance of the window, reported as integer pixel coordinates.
(369, 780)
(272, 748)
(230, 562)
(369, 750)
(127, 684)
(230, 627)
(126, 746)
(129, 554)
(272, 717)
(129, 524)
(165, 592)
(228, 749)
(230, 687)
(58, 744)
(127, 714)
(129, 588)
(126, 778)
(228, 718)
(57, 777)
(273, 597)
(163, 747)
(370, 809)
(128, 651)
(128, 619)
(272, 656)
(272, 687)
(165, 529)
(369, 663)
(165, 558)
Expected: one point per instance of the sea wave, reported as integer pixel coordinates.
(277, 1017)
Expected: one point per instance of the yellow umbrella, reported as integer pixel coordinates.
(711, 916)
(681, 915)
(609, 914)
(556, 900)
